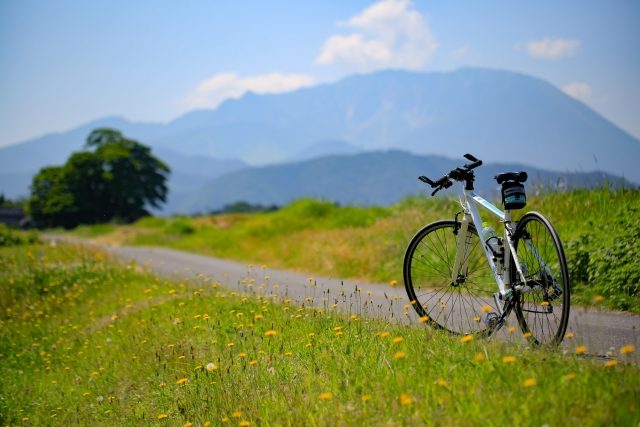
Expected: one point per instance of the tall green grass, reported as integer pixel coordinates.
(85, 340)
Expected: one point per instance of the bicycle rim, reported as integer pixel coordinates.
(463, 307)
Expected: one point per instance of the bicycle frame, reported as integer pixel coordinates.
(501, 270)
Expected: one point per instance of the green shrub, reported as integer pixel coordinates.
(9, 237)
(180, 226)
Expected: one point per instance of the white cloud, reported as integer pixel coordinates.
(213, 91)
(459, 53)
(549, 48)
(388, 34)
(578, 90)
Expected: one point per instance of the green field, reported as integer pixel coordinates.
(600, 230)
(88, 341)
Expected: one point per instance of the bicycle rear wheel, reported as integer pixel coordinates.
(463, 307)
(542, 307)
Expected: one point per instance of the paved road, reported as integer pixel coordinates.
(600, 331)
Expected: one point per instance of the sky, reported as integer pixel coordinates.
(67, 62)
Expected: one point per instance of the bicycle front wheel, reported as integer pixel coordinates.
(462, 306)
(542, 306)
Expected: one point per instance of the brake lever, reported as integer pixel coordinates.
(426, 181)
(436, 190)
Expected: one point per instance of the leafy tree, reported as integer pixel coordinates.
(5, 202)
(117, 180)
(51, 203)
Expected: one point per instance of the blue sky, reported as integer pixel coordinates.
(67, 62)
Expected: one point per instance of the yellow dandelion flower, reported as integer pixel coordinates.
(486, 308)
(399, 355)
(337, 328)
(270, 333)
(326, 396)
(405, 399)
(308, 345)
(339, 333)
(626, 349)
(598, 298)
(397, 340)
(163, 416)
(242, 355)
(479, 357)
(610, 363)
(163, 385)
(581, 349)
(383, 334)
(253, 362)
(353, 317)
(366, 397)
(570, 376)
(229, 344)
(424, 319)
(236, 414)
(528, 334)
(466, 339)
(509, 359)
(244, 424)
(477, 319)
(393, 282)
(224, 420)
(182, 381)
(569, 335)
(211, 367)
(258, 317)
(442, 383)
(187, 424)
(288, 354)
(529, 382)
(511, 329)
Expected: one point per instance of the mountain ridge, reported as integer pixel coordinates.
(369, 178)
(509, 116)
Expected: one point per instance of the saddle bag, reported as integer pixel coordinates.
(513, 195)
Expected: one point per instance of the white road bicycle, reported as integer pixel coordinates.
(462, 277)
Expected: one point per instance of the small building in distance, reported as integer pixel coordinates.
(13, 217)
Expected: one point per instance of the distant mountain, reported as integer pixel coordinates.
(378, 178)
(325, 148)
(510, 116)
(189, 173)
(507, 116)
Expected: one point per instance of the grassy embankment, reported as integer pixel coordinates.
(86, 341)
(600, 230)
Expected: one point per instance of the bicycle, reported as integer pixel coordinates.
(452, 267)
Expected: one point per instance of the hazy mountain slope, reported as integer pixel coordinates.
(365, 178)
(507, 116)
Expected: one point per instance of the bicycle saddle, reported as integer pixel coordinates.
(511, 176)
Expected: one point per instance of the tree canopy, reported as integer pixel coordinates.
(113, 178)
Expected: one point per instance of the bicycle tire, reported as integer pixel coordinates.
(542, 309)
(461, 308)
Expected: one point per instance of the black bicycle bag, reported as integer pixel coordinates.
(513, 195)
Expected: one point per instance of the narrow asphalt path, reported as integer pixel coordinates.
(602, 332)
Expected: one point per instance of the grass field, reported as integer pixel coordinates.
(87, 341)
(600, 230)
